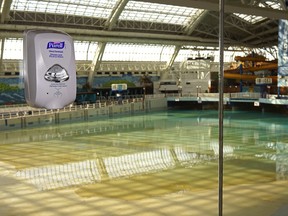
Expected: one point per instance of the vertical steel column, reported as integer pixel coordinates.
(241, 81)
(220, 107)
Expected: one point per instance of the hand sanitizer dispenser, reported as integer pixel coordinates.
(49, 69)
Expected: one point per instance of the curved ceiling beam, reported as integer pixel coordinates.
(173, 57)
(124, 40)
(231, 24)
(229, 8)
(195, 20)
(263, 33)
(128, 36)
(2, 42)
(188, 29)
(96, 61)
(5, 9)
(116, 12)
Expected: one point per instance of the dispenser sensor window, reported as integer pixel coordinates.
(56, 73)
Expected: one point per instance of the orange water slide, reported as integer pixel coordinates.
(246, 77)
(250, 58)
(235, 73)
(271, 66)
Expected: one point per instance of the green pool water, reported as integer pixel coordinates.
(145, 156)
(171, 150)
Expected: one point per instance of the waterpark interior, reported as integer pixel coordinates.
(180, 109)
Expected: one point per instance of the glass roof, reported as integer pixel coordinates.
(93, 8)
(85, 50)
(137, 52)
(254, 19)
(250, 18)
(134, 10)
(160, 13)
(271, 4)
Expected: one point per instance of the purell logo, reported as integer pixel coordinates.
(55, 45)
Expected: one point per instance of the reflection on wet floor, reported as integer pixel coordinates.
(140, 157)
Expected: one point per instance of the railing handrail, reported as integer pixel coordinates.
(20, 110)
(251, 95)
(25, 110)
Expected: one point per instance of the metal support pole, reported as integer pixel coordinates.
(241, 81)
(220, 107)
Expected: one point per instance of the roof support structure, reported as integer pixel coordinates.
(213, 5)
(1, 52)
(176, 51)
(112, 36)
(194, 22)
(284, 4)
(96, 61)
(269, 31)
(202, 29)
(109, 24)
(116, 12)
(5, 9)
(236, 23)
(187, 31)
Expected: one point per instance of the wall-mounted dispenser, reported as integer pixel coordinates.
(49, 69)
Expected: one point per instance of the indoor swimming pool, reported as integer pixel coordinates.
(161, 163)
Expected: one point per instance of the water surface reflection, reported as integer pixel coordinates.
(149, 155)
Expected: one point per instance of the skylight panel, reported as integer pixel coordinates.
(70, 9)
(94, 8)
(52, 8)
(271, 4)
(85, 50)
(254, 19)
(137, 52)
(159, 13)
(250, 18)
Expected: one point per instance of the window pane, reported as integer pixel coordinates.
(160, 13)
(137, 52)
(13, 49)
(94, 8)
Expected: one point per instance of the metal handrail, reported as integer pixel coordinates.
(9, 111)
(20, 110)
(244, 95)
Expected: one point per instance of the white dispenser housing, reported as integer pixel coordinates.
(49, 69)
